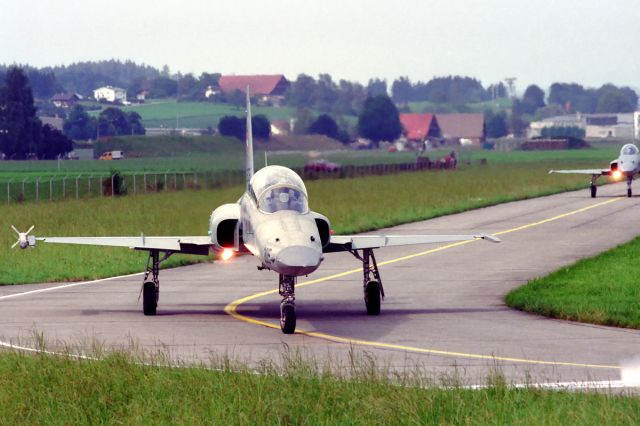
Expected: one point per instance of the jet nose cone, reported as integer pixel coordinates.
(297, 260)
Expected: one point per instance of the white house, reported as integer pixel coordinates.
(110, 94)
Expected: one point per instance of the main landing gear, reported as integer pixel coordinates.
(288, 305)
(372, 284)
(151, 287)
(594, 188)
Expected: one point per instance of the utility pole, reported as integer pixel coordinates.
(511, 84)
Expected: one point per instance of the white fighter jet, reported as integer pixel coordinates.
(627, 165)
(273, 222)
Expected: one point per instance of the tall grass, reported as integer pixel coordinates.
(600, 290)
(62, 390)
(353, 205)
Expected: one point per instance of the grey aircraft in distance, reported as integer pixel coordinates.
(273, 222)
(627, 165)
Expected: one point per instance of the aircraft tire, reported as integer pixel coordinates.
(149, 298)
(372, 297)
(287, 318)
(629, 192)
(594, 189)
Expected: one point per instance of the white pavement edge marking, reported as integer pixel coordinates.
(59, 287)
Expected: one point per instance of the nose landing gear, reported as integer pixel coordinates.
(288, 305)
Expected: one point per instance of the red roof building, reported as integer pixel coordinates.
(261, 85)
(419, 127)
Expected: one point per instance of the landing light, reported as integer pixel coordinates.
(226, 254)
(617, 174)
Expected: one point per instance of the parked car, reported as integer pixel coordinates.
(322, 166)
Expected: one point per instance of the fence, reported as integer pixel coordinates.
(57, 188)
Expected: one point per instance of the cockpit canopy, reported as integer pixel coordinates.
(277, 188)
(629, 149)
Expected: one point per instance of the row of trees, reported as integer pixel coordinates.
(571, 98)
(454, 90)
(21, 133)
(322, 93)
(79, 125)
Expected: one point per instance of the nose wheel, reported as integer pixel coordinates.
(288, 305)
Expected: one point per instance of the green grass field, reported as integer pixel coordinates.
(601, 290)
(495, 105)
(116, 390)
(348, 203)
(172, 114)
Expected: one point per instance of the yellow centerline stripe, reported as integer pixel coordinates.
(232, 307)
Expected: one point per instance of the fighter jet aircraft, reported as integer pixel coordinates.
(273, 222)
(627, 165)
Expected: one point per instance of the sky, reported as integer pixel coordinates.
(588, 41)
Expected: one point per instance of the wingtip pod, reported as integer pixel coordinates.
(489, 237)
(24, 239)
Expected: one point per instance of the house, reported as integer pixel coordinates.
(65, 100)
(460, 128)
(268, 88)
(420, 127)
(110, 94)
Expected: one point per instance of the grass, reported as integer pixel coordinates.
(117, 390)
(352, 205)
(600, 290)
(171, 114)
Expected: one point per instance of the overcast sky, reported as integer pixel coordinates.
(586, 41)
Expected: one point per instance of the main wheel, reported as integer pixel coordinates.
(372, 297)
(287, 318)
(594, 189)
(628, 192)
(149, 298)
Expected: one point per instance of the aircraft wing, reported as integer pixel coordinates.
(599, 172)
(358, 242)
(180, 244)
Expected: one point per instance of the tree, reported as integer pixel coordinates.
(614, 99)
(53, 144)
(302, 93)
(79, 125)
(402, 90)
(376, 87)
(379, 120)
(135, 123)
(230, 125)
(495, 124)
(115, 122)
(532, 99)
(324, 125)
(20, 129)
(261, 126)
(163, 87)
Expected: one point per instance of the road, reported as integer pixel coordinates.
(444, 313)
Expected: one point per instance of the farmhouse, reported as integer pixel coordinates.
(461, 128)
(420, 127)
(65, 100)
(268, 88)
(110, 94)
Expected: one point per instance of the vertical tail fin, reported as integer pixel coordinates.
(249, 146)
